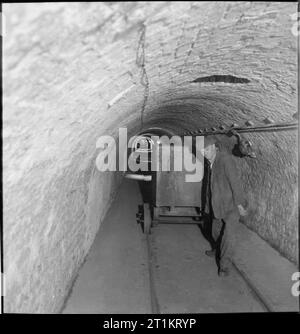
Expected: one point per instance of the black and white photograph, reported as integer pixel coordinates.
(150, 160)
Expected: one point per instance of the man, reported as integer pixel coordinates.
(222, 202)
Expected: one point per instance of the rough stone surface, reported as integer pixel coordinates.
(75, 71)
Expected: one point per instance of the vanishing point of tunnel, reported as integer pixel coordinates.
(73, 72)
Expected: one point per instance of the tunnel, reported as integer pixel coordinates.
(73, 72)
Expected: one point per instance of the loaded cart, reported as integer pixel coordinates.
(167, 198)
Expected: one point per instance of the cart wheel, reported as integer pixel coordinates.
(147, 218)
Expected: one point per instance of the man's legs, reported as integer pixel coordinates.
(207, 233)
(215, 227)
(224, 233)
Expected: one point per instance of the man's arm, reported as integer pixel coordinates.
(233, 176)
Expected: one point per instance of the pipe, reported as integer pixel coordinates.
(265, 128)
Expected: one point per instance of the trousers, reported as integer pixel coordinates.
(224, 239)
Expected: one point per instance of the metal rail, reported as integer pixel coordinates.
(255, 292)
(257, 295)
(153, 294)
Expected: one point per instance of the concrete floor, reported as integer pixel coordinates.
(115, 275)
(186, 279)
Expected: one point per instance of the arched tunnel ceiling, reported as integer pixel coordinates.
(73, 72)
(83, 61)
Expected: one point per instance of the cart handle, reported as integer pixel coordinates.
(139, 177)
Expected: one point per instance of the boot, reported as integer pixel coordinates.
(210, 253)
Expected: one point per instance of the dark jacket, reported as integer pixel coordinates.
(226, 190)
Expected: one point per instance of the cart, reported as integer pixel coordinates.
(167, 198)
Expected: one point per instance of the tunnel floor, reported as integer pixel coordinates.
(123, 273)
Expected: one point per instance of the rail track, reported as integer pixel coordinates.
(154, 295)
